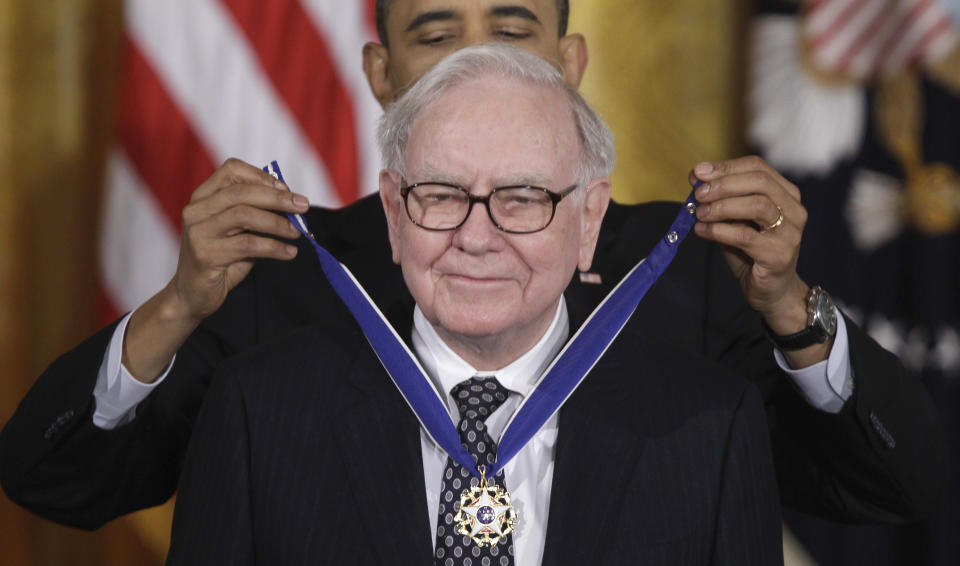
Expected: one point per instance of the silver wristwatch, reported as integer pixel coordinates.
(821, 323)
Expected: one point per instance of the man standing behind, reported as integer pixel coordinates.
(494, 190)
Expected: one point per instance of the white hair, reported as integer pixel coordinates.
(496, 60)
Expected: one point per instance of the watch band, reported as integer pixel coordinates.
(821, 323)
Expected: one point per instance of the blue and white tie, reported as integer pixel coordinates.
(477, 398)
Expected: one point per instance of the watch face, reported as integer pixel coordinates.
(825, 313)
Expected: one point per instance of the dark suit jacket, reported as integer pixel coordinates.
(881, 459)
(305, 453)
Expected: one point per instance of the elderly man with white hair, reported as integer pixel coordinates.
(329, 447)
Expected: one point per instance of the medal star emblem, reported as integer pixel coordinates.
(486, 514)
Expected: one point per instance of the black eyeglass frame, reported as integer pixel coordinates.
(472, 199)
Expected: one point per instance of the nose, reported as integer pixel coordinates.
(478, 233)
(475, 33)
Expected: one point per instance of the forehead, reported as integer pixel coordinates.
(502, 129)
(403, 13)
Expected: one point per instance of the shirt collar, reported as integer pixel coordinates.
(446, 369)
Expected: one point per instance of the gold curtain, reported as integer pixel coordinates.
(58, 64)
(667, 77)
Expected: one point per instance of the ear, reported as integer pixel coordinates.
(595, 200)
(392, 207)
(573, 58)
(376, 65)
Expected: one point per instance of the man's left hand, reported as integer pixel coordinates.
(757, 216)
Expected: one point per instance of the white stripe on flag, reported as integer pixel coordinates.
(138, 247)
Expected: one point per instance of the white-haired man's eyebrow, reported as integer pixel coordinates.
(532, 179)
(428, 173)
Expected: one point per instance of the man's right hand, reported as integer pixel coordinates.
(226, 226)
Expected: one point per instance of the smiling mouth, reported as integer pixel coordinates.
(459, 278)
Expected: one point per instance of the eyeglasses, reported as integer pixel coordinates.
(520, 209)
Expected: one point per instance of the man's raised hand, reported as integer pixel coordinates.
(756, 214)
(232, 219)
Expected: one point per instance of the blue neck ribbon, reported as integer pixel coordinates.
(558, 381)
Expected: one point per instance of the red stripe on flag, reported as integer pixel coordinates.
(372, 16)
(838, 23)
(157, 138)
(296, 59)
(898, 34)
(866, 34)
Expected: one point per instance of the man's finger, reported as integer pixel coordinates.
(257, 196)
(775, 253)
(251, 246)
(714, 169)
(711, 171)
(749, 182)
(232, 172)
(759, 209)
(245, 218)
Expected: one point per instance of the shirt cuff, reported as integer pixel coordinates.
(117, 393)
(828, 384)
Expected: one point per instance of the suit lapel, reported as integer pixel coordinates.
(380, 443)
(595, 457)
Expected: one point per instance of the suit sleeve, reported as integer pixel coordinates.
(212, 522)
(56, 463)
(748, 522)
(51, 428)
(881, 459)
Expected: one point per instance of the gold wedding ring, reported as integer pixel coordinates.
(778, 222)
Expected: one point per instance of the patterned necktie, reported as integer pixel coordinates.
(476, 398)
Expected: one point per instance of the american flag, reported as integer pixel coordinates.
(204, 80)
(862, 39)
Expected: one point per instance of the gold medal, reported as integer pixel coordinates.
(486, 514)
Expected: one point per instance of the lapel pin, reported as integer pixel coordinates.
(592, 278)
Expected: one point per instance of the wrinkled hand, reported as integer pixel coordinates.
(226, 226)
(739, 200)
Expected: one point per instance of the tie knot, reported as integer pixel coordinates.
(477, 397)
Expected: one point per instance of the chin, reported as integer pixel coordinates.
(469, 322)
(477, 313)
